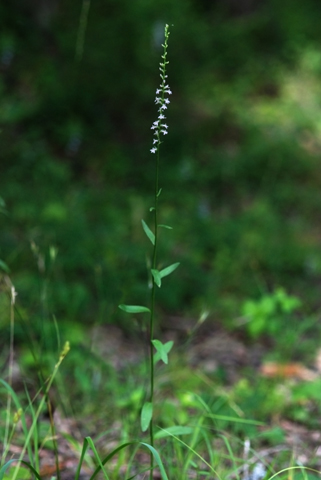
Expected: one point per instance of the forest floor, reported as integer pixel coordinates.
(211, 353)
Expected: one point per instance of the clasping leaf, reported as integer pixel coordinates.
(157, 277)
(148, 232)
(162, 350)
(134, 308)
(166, 271)
(165, 226)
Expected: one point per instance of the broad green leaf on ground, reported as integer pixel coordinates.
(168, 270)
(167, 348)
(174, 430)
(157, 277)
(148, 232)
(146, 416)
(134, 308)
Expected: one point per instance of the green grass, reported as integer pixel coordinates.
(199, 431)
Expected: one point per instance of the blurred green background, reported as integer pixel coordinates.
(239, 169)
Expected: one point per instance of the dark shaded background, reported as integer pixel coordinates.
(240, 166)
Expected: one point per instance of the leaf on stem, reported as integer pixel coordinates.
(148, 232)
(134, 308)
(159, 192)
(146, 416)
(4, 266)
(160, 347)
(165, 226)
(168, 270)
(157, 277)
(166, 348)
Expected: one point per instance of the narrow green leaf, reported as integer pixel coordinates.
(4, 267)
(98, 459)
(103, 461)
(146, 416)
(174, 430)
(161, 350)
(2, 207)
(166, 271)
(148, 232)
(157, 277)
(159, 461)
(134, 308)
(165, 226)
(167, 347)
(234, 419)
(159, 192)
(151, 209)
(22, 472)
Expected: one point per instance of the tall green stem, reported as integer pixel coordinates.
(152, 316)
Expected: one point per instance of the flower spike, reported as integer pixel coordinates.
(161, 99)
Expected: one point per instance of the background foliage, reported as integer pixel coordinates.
(240, 172)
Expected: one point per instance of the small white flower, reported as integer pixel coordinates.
(166, 101)
(164, 132)
(153, 127)
(158, 91)
(13, 295)
(156, 122)
(164, 125)
(161, 116)
(153, 150)
(158, 100)
(155, 141)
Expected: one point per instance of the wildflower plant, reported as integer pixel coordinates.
(158, 350)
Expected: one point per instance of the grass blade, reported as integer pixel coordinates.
(157, 459)
(174, 430)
